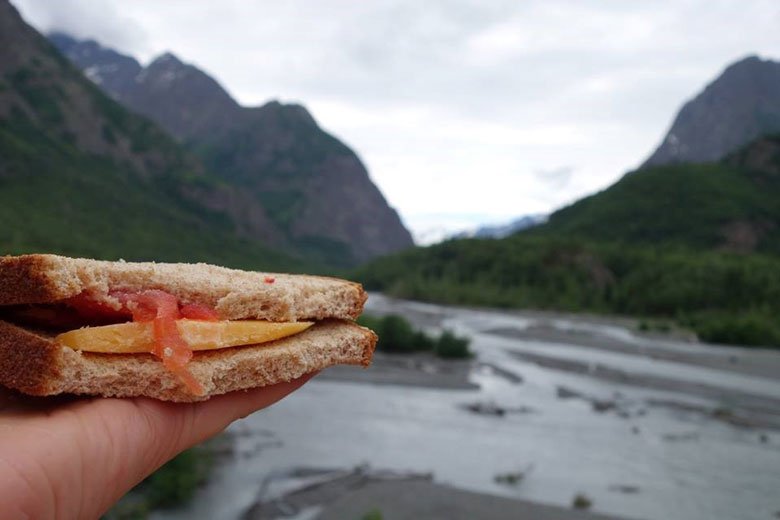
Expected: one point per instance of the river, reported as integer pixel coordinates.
(663, 446)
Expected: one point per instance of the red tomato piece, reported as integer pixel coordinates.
(150, 305)
(94, 311)
(162, 309)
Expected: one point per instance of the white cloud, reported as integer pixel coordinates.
(102, 21)
(555, 178)
(455, 106)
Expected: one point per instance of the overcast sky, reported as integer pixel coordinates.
(464, 112)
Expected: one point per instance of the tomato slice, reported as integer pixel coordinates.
(94, 311)
(162, 309)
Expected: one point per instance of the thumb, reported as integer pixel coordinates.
(79, 459)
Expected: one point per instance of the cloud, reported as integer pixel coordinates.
(457, 107)
(555, 178)
(102, 21)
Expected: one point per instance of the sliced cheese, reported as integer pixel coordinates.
(138, 337)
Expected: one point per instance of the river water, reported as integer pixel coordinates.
(653, 462)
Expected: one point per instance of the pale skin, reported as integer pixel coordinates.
(71, 458)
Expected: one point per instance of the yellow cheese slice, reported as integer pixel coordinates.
(138, 337)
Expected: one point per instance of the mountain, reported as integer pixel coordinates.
(693, 243)
(743, 103)
(312, 187)
(732, 205)
(497, 230)
(108, 69)
(81, 175)
(669, 242)
(504, 230)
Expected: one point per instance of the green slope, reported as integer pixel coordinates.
(71, 203)
(80, 175)
(79, 210)
(726, 205)
(724, 297)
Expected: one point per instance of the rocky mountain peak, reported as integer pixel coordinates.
(743, 103)
(181, 97)
(165, 71)
(105, 67)
(166, 59)
(294, 111)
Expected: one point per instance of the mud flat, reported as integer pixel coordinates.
(422, 370)
(364, 493)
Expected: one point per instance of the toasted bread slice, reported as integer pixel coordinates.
(234, 294)
(34, 364)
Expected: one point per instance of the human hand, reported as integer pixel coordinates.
(73, 458)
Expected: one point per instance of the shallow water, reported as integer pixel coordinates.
(685, 464)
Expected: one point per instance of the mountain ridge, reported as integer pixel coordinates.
(738, 106)
(313, 188)
(81, 175)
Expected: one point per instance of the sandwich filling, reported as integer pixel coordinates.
(162, 326)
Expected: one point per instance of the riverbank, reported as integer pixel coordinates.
(598, 331)
(618, 335)
(420, 499)
(546, 328)
(422, 370)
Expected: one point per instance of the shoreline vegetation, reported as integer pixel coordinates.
(398, 336)
(171, 486)
(723, 297)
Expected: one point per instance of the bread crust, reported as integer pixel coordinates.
(28, 361)
(28, 279)
(36, 365)
(234, 294)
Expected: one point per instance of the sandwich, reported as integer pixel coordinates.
(174, 332)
